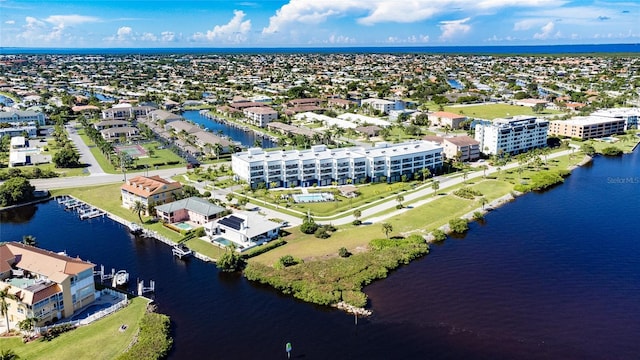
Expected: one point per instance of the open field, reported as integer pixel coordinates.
(100, 340)
(493, 111)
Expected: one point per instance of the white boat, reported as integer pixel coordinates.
(120, 278)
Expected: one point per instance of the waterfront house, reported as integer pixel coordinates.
(245, 230)
(193, 209)
(43, 284)
(152, 190)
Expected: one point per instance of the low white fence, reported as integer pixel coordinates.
(93, 317)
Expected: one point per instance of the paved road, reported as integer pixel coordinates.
(368, 215)
(86, 157)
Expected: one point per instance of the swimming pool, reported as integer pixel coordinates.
(317, 197)
(183, 226)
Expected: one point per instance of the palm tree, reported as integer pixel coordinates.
(29, 240)
(27, 324)
(8, 354)
(4, 305)
(357, 213)
(217, 149)
(400, 199)
(425, 174)
(138, 208)
(484, 170)
(386, 229)
(435, 186)
(483, 201)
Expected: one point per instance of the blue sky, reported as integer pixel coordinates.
(276, 23)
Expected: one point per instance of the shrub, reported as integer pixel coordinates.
(230, 261)
(477, 216)
(438, 235)
(467, 193)
(343, 252)
(611, 151)
(321, 233)
(263, 249)
(540, 181)
(308, 226)
(458, 225)
(357, 222)
(399, 206)
(153, 341)
(288, 260)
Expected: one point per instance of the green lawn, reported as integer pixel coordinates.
(100, 340)
(205, 248)
(161, 156)
(493, 111)
(625, 146)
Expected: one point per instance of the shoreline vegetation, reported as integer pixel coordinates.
(145, 336)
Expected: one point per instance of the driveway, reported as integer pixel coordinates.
(86, 157)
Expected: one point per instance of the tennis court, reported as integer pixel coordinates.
(135, 151)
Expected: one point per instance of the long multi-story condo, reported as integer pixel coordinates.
(323, 166)
(512, 135)
(588, 127)
(22, 117)
(42, 284)
(629, 115)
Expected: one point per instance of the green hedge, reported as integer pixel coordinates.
(263, 248)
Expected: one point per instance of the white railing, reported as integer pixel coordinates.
(93, 317)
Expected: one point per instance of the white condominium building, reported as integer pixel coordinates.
(629, 115)
(513, 135)
(323, 166)
(22, 117)
(384, 106)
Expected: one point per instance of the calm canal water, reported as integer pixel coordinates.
(246, 138)
(549, 276)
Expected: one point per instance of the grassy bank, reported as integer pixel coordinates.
(336, 279)
(100, 340)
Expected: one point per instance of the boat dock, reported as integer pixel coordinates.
(84, 210)
(89, 212)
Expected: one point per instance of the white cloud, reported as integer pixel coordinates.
(51, 29)
(148, 37)
(10, 22)
(70, 20)
(168, 36)
(235, 31)
(378, 11)
(341, 39)
(453, 28)
(413, 39)
(545, 31)
(124, 33)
